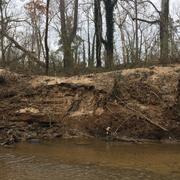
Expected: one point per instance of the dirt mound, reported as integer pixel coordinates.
(132, 104)
(151, 95)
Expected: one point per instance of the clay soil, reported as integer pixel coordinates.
(128, 105)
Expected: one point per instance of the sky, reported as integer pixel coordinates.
(173, 3)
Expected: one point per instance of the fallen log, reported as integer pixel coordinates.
(28, 53)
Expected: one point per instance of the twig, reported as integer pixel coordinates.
(142, 115)
(116, 118)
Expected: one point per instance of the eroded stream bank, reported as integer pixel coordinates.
(128, 105)
(82, 159)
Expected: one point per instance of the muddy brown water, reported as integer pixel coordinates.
(90, 160)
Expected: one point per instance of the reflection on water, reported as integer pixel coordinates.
(90, 160)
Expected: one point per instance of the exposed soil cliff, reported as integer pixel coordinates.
(128, 105)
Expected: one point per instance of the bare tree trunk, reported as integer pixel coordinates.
(136, 32)
(98, 31)
(84, 55)
(109, 42)
(93, 51)
(46, 37)
(2, 36)
(164, 32)
(67, 38)
(89, 43)
(123, 44)
(36, 34)
(140, 45)
(76, 56)
(66, 45)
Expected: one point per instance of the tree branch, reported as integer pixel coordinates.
(147, 21)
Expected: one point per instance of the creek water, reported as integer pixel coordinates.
(90, 160)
